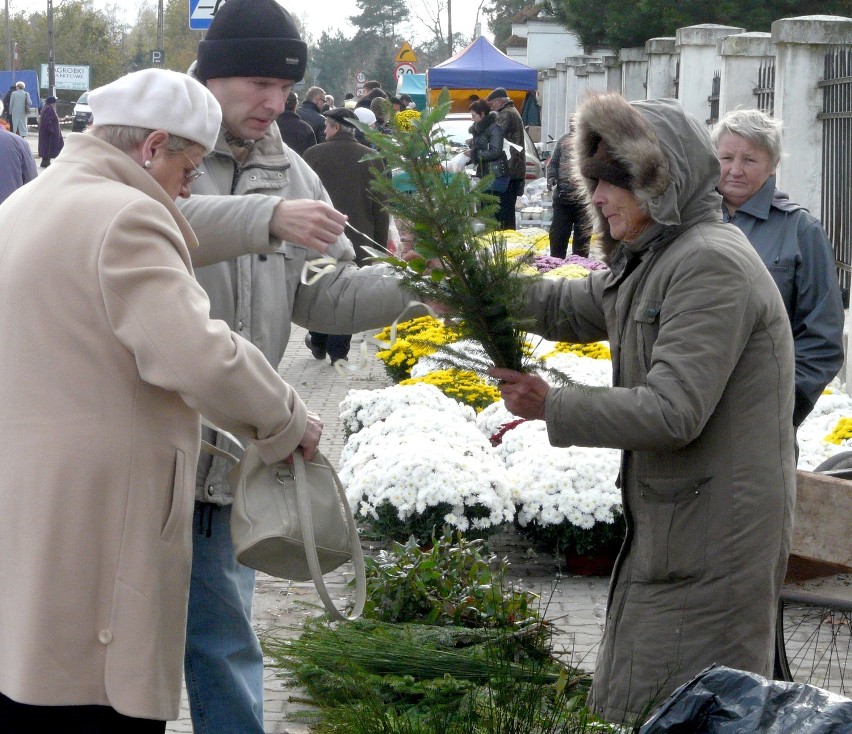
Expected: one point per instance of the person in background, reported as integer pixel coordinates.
(381, 107)
(6, 114)
(50, 141)
(19, 108)
(568, 210)
(311, 111)
(346, 177)
(99, 415)
(295, 132)
(367, 117)
(17, 166)
(486, 146)
(513, 131)
(397, 104)
(261, 215)
(369, 96)
(329, 103)
(700, 405)
(791, 243)
(407, 102)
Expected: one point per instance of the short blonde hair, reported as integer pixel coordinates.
(755, 126)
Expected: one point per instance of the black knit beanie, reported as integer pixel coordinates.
(252, 38)
(603, 166)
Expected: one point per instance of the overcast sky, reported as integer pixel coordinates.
(316, 15)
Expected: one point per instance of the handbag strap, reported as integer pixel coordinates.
(307, 522)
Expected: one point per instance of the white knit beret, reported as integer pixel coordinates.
(159, 99)
(365, 115)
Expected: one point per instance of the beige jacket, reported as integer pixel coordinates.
(108, 357)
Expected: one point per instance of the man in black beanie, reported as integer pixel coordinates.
(258, 197)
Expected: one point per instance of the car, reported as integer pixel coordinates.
(456, 127)
(82, 114)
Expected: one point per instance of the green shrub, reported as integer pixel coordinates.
(451, 582)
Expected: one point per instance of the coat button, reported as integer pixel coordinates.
(105, 637)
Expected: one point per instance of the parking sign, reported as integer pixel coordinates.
(201, 14)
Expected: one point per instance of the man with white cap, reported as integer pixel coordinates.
(257, 197)
(109, 357)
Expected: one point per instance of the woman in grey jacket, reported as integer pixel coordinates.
(791, 243)
(700, 405)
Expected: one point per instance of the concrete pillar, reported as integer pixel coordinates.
(741, 57)
(696, 45)
(612, 70)
(634, 72)
(662, 67)
(573, 84)
(560, 122)
(596, 78)
(554, 103)
(800, 47)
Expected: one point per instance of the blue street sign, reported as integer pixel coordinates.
(200, 14)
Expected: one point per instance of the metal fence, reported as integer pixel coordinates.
(836, 116)
(765, 89)
(713, 99)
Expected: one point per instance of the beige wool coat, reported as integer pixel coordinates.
(700, 405)
(108, 356)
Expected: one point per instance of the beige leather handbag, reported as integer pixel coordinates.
(293, 521)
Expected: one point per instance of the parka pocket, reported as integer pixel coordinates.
(671, 528)
(647, 318)
(182, 499)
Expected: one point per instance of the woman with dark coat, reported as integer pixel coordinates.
(50, 141)
(700, 404)
(486, 146)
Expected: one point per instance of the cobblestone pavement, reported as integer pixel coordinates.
(576, 604)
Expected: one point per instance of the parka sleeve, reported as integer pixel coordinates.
(159, 312)
(817, 318)
(706, 314)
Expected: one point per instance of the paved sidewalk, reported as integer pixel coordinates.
(576, 604)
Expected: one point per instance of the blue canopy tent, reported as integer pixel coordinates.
(414, 85)
(478, 69)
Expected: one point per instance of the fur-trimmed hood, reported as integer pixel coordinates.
(670, 157)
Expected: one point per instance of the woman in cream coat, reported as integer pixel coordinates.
(109, 356)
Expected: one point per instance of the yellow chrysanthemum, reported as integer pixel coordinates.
(415, 338)
(567, 271)
(462, 385)
(842, 431)
(405, 118)
(594, 350)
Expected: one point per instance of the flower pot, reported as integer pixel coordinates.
(600, 563)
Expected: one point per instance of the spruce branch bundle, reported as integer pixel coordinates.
(460, 259)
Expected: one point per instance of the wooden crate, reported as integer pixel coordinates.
(822, 528)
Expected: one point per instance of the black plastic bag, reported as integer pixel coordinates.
(722, 700)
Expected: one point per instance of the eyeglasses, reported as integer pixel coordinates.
(188, 178)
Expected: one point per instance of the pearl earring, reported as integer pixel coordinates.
(147, 164)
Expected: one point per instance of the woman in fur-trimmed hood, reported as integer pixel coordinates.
(700, 405)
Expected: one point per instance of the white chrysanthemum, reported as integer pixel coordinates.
(813, 448)
(361, 408)
(553, 485)
(420, 456)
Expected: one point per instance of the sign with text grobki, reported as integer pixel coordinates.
(66, 77)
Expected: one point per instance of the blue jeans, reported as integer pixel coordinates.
(223, 665)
